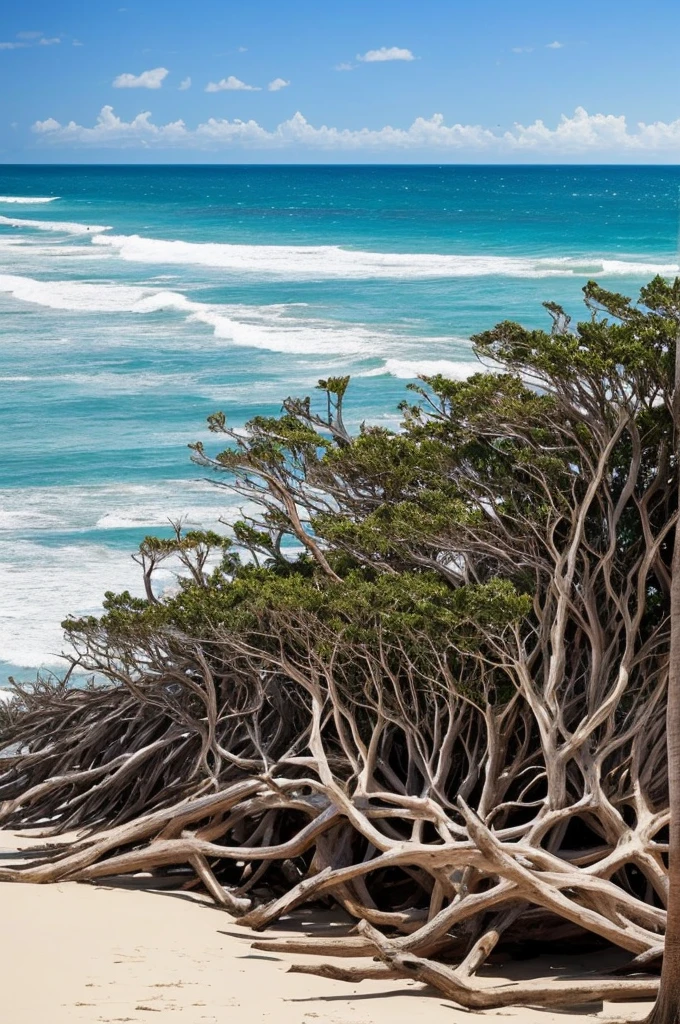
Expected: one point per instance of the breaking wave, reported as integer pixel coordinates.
(275, 328)
(332, 261)
(28, 200)
(66, 227)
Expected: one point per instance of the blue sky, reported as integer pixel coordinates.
(377, 80)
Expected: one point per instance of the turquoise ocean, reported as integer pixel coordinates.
(134, 301)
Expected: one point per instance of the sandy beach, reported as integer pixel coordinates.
(71, 952)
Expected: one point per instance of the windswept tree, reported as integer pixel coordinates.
(426, 676)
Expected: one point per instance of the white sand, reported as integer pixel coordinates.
(74, 953)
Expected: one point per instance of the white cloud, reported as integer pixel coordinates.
(554, 46)
(522, 49)
(231, 84)
(25, 39)
(582, 134)
(50, 125)
(185, 84)
(278, 84)
(147, 80)
(242, 49)
(385, 53)
(77, 42)
(110, 130)
(344, 66)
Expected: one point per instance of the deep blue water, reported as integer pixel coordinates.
(144, 298)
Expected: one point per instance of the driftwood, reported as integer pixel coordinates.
(448, 882)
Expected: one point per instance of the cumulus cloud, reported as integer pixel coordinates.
(110, 130)
(231, 84)
(152, 79)
(385, 53)
(277, 84)
(554, 46)
(50, 125)
(52, 41)
(579, 135)
(185, 84)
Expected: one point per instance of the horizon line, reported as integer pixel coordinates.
(327, 164)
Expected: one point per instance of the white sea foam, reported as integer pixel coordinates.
(31, 613)
(28, 200)
(331, 261)
(82, 571)
(112, 506)
(409, 369)
(296, 337)
(63, 226)
(275, 328)
(192, 517)
(80, 296)
(15, 519)
(29, 253)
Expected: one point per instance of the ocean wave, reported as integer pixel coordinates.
(64, 226)
(21, 519)
(28, 200)
(293, 262)
(145, 518)
(409, 369)
(30, 617)
(112, 506)
(82, 296)
(295, 337)
(25, 245)
(332, 261)
(275, 328)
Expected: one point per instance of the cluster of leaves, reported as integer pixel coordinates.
(442, 532)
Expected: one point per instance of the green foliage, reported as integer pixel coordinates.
(441, 536)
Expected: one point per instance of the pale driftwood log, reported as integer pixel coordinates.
(452, 986)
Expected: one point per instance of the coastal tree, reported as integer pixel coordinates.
(425, 677)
